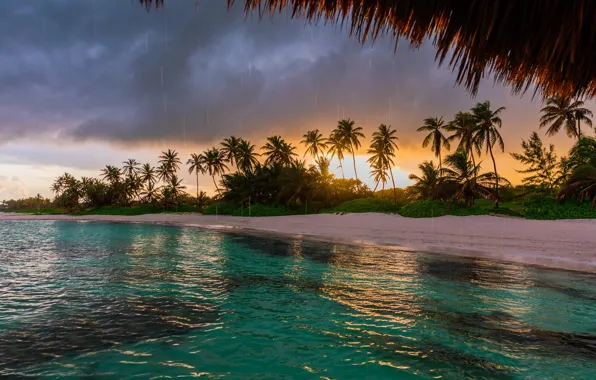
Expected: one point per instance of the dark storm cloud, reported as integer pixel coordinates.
(95, 70)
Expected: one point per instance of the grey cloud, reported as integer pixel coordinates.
(110, 71)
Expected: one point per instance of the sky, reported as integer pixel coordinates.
(89, 83)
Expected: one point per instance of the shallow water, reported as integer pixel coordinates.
(123, 301)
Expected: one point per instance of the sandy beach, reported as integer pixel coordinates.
(563, 244)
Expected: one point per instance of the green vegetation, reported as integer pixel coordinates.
(364, 205)
(277, 182)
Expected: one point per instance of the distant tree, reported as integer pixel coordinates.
(351, 135)
(382, 148)
(435, 138)
(246, 159)
(231, 149)
(487, 134)
(542, 165)
(131, 167)
(426, 184)
(562, 112)
(215, 163)
(277, 150)
(147, 174)
(337, 148)
(111, 174)
(315, 143)
(169, 164)
(196, 164)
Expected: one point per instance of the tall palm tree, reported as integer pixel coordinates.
(196, 165)
(111, 174)
(463, 127)
(277, 150)
(385, 141)
(337, 148)
(230, 148)
(487, 134)
(215, 163)
(315, 143)
(379, 173)
(562, 112)
(246, 160)
(426, 184)
(170, 163)
(351, 136)
(175, 188)
(150, 193)
(435, 137)
(147, 174)
(131, 167)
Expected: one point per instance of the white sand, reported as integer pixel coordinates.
(564, 244)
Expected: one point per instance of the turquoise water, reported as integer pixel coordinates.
(135, 301)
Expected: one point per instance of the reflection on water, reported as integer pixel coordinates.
(118, 300)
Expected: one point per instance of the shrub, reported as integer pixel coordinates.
(549, 209)
(220, 208)
(423, 209)
(365, 205)
(429, 209)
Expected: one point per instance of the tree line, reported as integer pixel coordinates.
(277, 175)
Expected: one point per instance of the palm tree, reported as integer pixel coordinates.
(462, 176)
(215, 163)
(230, 148)
(384, 145)
(379, 174)
(246, 160)
(170, 163)
(147, 174)
(131, 167)
(150, 193)
(111, 174)
(464, 128)
(195, 163)
(337, 147)
(562, 112)
(315, 143)
(487, 133)
(351, 136)
(175, 188)
(277, 150)
(435, 137)
(426, 185)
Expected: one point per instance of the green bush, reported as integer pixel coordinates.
(263, 210)
(41, 211)
(364, 205)
(549, 209)
(118, 210)
(423, 209)
(220, 208)
(429, 209)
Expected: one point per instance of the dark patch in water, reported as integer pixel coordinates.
(571, 292)
(106, 324)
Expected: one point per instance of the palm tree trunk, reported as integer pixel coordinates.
(377, 185)
(354, 159)
(217, 188)
(342, 169)
(579, 129)
(197, 185)
(496, 177)
(475, 172)
(394, 189)
(440, 164)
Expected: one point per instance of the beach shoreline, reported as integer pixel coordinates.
(558, 244)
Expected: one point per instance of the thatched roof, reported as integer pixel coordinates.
(550, 43)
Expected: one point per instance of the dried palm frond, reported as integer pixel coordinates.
(547, 43)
